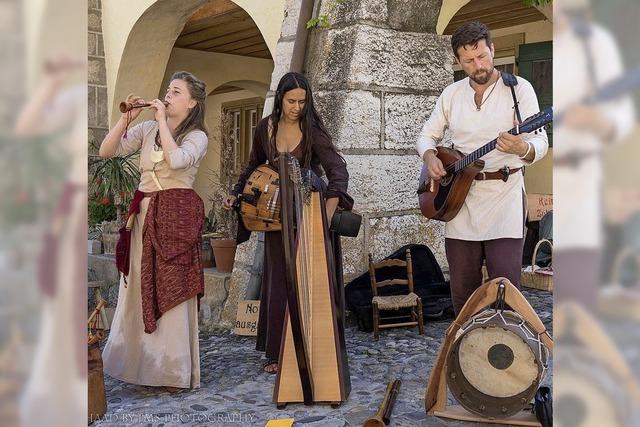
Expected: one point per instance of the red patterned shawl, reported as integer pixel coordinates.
(171, 253)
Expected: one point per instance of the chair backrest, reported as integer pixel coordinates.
(373, 266)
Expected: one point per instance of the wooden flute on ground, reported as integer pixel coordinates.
(383, 416)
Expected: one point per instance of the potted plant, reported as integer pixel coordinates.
(223, 222)
(208, 233)
(114, 182)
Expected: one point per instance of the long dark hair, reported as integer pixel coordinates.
(195, 119)
(310, 120)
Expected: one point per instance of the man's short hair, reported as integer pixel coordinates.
(470, 34)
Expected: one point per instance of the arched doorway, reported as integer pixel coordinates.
(147, 39)
(228, 44)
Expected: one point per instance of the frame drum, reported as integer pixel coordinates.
(495, 364)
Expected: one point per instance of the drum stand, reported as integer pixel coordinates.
(485, 295)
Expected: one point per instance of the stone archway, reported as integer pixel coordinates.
(140, 37)
(516, 8)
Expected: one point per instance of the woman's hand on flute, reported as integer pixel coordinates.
(161, 110)
(134, 113)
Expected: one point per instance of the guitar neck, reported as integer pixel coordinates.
(531, 124)
(475, 155)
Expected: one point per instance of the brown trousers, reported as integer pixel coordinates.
(503, 259)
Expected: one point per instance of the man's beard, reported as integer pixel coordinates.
(485, 76)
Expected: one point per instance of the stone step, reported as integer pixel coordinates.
(216, 289)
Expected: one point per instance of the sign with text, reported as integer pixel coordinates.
(538, 205)
(247, 318)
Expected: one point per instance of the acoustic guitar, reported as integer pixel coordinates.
(442, 199)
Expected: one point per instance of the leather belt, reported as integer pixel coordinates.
(502, 174)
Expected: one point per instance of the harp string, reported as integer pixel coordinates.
(303, 221)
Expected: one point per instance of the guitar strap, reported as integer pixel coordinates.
(511, 81)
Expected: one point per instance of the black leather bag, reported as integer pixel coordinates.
(346, 223)
(543, 406)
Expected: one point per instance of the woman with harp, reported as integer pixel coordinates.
(293, 127)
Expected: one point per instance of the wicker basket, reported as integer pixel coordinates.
(533, 280)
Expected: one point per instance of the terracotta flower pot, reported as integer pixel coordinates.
(224, 252)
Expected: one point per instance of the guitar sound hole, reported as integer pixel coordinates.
(446, 180)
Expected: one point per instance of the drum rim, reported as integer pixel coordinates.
(469, 396)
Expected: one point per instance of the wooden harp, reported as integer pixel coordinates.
(313, 362)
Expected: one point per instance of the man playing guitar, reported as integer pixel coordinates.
(477, 109)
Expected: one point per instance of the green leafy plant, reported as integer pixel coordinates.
(218, 219)
(115, 179)
(101, 210)
(322, 21)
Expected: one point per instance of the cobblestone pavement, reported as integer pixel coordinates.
(234, 391)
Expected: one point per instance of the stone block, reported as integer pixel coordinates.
(92, 44)
(404, 117)
(282, 62)
(97, 72)
(328, 57)
(414, 15)
(100, 51)
(216, 290)
(95, 137)
(94, 246)
(237, 289)
(291, 17)
(387, 234)
(102, 104)
(381, 183)
(92, 106)
(351, 11)
(353, 253)
(245, 252)
(352, 117)
(103, 267)
(95, 20)
(365, 56)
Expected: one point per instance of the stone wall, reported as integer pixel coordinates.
(377, 75)
(247, 267)
(97, 79)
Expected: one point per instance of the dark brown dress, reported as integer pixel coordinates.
(273, 295)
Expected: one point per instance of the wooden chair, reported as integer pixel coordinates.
(394, 302)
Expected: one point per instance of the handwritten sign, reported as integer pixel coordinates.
(247, 318)
(539, 204)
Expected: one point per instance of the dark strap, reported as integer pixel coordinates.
(502, 174)
(511, 81)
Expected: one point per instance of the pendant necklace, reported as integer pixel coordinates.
(492, 89)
